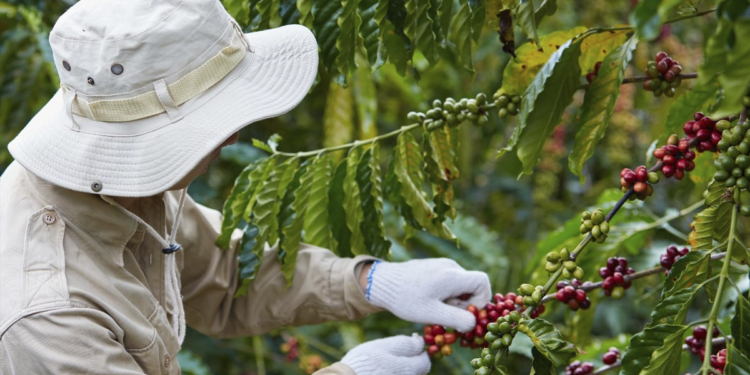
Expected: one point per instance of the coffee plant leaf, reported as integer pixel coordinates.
(715, 53)
(598, 105)
(268, 11)
(287, 175)
(740, 325)
(288, 12)
(444, 15)
(546, 9)
(649, 15)
(305, 13)
(548, 341)
(372, 30)
(691, 269)
(654, 351)
(685, 106)
(478, 13)
(597, 47)
(735, 77)
(236, 203)
(287, 212)
(442, 190)
(326, 29)
(444, 154)
(353, 202)
(715, 194)
(704, 169)
(710, 224)
(340, 233)
(365, 99)
(338, 116)
(544, 101)
(349, 22)
(238, 9)
(460, 35)
(419, 28)
(393, 193)
(737, 362)
(268, 167)
(674, 308)
(526, 20)
(249, 257)
(291, 232)
(370, 192)
(520, 72)
(541, 365)
(723, 222)
(316, 217)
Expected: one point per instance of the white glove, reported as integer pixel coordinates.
(428, 290)
(398, 355)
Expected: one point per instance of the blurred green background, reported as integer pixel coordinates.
(502, 220)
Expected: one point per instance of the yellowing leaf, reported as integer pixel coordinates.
(596, 47)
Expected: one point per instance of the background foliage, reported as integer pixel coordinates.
(379, 62)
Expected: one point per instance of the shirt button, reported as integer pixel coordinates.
(167, 361)
(48, 218)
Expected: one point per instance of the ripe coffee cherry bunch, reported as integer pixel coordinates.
(611, 356)
(438, 341)
(733, 165)
(664, 75)
(676, 156)
(670, 257)
(590, 77)
(572, 295)
(708, 132)
(453, 112)
(614, 283)
(594, 222)
(640, 180)
(578, 368)
(719, 360)
(508, 105)
(290, 347)
(697, 342)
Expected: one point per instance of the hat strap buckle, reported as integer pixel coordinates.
(69, 96)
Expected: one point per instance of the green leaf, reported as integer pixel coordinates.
(686, 105)
(288, 174)
(418, 27)
(548, 341)
(365, 97)
(340, 232)
(691, 269)
(674, 308)
(548, 9)
(393, 192)
(305, 13)
(292, 231)
(353, 202)
(735, 76)
(347, 41)
(288, 12)
(269, 14)
(740, 325)
(370, 192)
(478, 13)
(261, 145)
(445, 13)
(261, 176)
(544, 101)
(249, 257)
(316, 218)
(598, 105)
(715, 193)
(460, 35)
(287, 212)
(649, 15)
(325, 25)
(737, 362)
(657, 350)
(541, 365)
(715, 53)
(236, 203)
(410, 180)
(596, 47)
(526, 20)
(372, 30)
(338, 117)
(439, 175)
(397, 46)
(444, 154)
(238, 9)
(710, 224)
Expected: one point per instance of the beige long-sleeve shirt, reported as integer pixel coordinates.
(82, 284)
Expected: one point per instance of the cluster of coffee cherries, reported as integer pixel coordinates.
(499, 337)
(453, 113)
(594, 222)
(676, 157)
(578, 368)
(290, 347)
(640, 180)
(590, 77)
(663, 74)
(556, 260)
(572, 294)
(503, 306)
(669, 258)
(614, 273)
(697, 342)
(611, 356)
(733, 165)
(438, 341)
(532, 295)
(719, 361)
(708, 132)
(508, 105)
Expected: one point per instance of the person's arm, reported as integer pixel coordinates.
(325, 287)
(72, 341)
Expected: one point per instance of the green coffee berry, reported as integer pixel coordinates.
(476, 363)
(553, 257)
(507, 339)
(526, 289)
(492, 327)
(578, 273)
(552, 267)
(569, 265)
(564, 254)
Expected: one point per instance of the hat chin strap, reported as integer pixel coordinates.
(169, 248)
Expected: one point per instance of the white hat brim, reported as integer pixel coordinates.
(270, 81)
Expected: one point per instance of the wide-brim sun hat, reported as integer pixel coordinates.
(148, 89)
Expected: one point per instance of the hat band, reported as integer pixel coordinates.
(149, 104)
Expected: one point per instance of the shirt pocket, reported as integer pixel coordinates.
(153, 359)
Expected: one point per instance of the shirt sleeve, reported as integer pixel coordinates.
(65, 341)
(324, 287)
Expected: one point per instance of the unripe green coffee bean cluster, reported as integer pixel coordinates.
(508, 105)
(594, 222)
(453, 113)
(499, 336)
(733, 164)
(532, 295)
(562, 259)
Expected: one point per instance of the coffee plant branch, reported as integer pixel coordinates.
(677, 19)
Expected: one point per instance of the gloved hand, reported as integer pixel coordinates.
(393, 355)
(428, 290)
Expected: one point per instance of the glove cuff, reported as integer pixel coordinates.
(360, 364)
(383, 283)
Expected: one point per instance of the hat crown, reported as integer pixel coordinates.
(116, 48)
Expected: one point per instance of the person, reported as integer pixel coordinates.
(104, 259)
